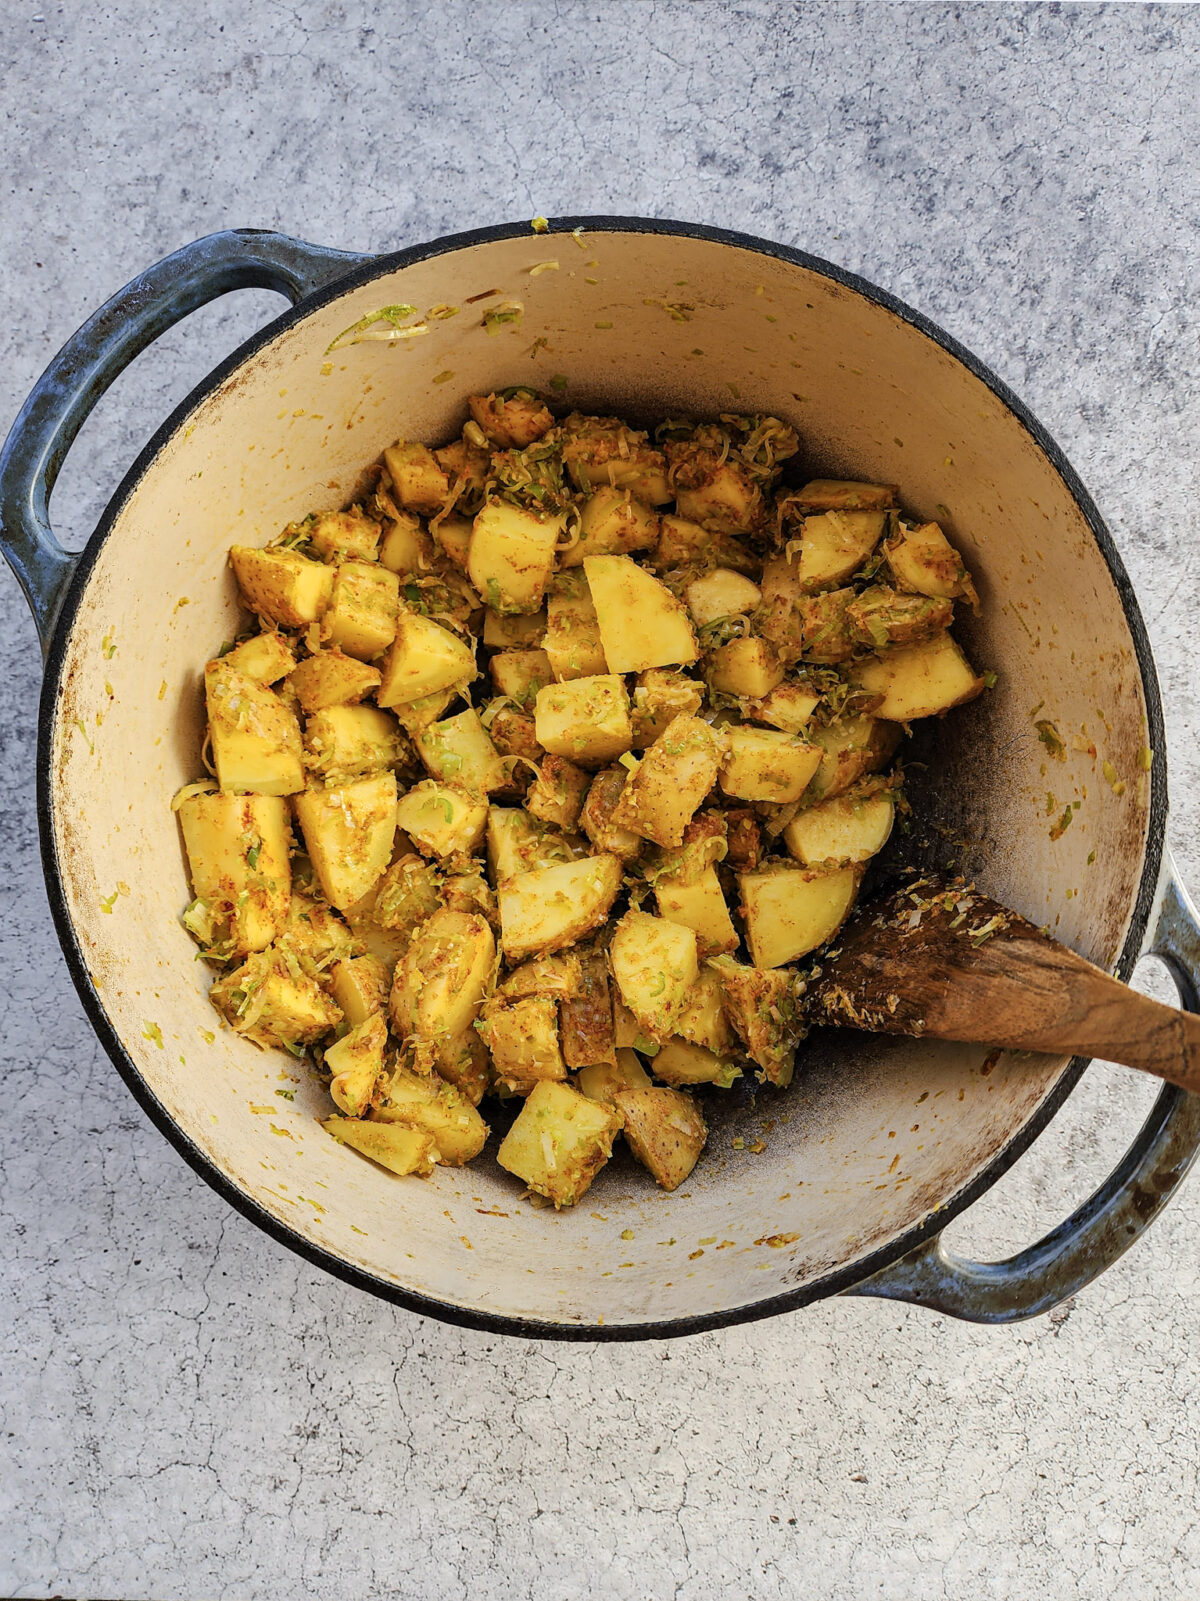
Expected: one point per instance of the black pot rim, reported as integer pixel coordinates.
(832, 1283)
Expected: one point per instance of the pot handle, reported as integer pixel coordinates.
(63, 397)
(1108, 1223)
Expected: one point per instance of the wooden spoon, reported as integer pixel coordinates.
(937, 958)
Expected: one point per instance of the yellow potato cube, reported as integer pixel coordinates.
(553, 977)
(266, 657)
(557, 794)
(663, 794)
(851, 827)
(665, 1130)
(255, 737)
(720, 592)
(924, 561)
(356, 1061)
(838, 494)
(513, 631)
(655, 965)
(396, 1146)
(585, 1020)
(348, 833)
(765, 764)
(424, 658)
(764, 1008)
(681, 1062)
(288, 589)
(700, 906)
(519, 674)
(517, 843)
(596, 817)
(572, 640)
(361, 617)
(746, 666)
(788, 911)
(265, 1001)
(703, 1020)
(420, 484)
(346, 742)
(659, 696)
(641, 623)
(512, 555)
(459, 751)
(344, 535)
(683, 543)
(600, 1081)
(553, 907)
(788, 706)
(452, 535)
(406, 547)
(440, 983)
(238, 857)
(425, 1101)
(523, 1040)
(360, 985)
(332, 679)
(611, 520)
(586, 719)
(851, 747)
(559, 1142)
(919, 680)
(441, 818)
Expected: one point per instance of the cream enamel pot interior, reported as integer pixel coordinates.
(879, 1142)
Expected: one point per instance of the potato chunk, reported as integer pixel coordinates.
(655, 965)
(881, 617)
(919, 680)
(346, 742)
(789, 911)
(266, 657)
(764, 1008)
(267, 1002)
(440, 984)
(360, 985)
(406, 896)
(360, 619)
(420, 483)
(600, 1081)
(765, 764)
(522, 1037)
(512, 555)
(851, 827)
(441, 818)
(237, 849)
(458, 750)
(572, 639)
(426, 1102)
(720, 592)
(788, 706)
(586, 720)
(703, 1020)
(511, 421)
(659, 696)
(699, 904)
(602, 450)
(665, 1130)
(396, 1146)
(553, 907)
(585, 1020)
(519, 674)
(833, 545)
(406, 547)
(838, 494)
(513, 631)
(597, 819)
(517, 843)
(348, 833)
(344, 535)
(332, 679)
(663, 794)
(255, 737)
(746, 666)
(681, 1062)
(356, 1061)
(641, 623)
(559, 1142)
(683, 543)
(424, 658)
(288, 589)
(924, 561)
(558, 793)
(612, 521)
(852, 747)
(452, 536)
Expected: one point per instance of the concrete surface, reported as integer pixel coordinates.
(187, 1411)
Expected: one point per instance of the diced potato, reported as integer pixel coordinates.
(344, 535)
(332, 679)
(266, 1002)
(553, 907)
(452, 536)
(513, 631)
(463, 1062)
(441, 818)
(703, 1020)
(788, 706)
(700, 906)
(765, 764)
(511, 421)
(600, 1081)
(512, 555)
(826, 633)
(746, 666)
(315, 935)
(837, 494)
(426, 1102)
(345, 742)
(788, 911)
(641, 623)
(720, 494)
(558, 793)
(348, 833)
(396, 1146)
(597, 816)
(851, 827)
(572, 633)
(360, 986)
(586, 720)
(612, 521)
(424, 658)
(924, 561)
(266, 657)
(420, 483)
(559, 1142)
(519, 674)
(683, 543)
(523, 1040)
(833, 545)
(356, 1061)
(881, 617)
(852, 746)
(681, 1062)
(518, 843)
(288, 589)
(764, 1008)
(469, 891)
(406, 547)
(407, 894)
(585, 1020)
(665, 1130)
(660, 695)
(237, 848)
(415, 716)
(602, 450)
(720, 592)
(440, 984)
(255, 738)
(459, 751)
(361, 616)
(514, 733)
(919, 680)
(628, 1033)
(655, 965)
(663, 794)
(557, 977)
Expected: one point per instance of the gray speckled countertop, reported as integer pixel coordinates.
(187, 1410)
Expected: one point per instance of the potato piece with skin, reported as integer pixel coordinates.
(459, 751)
(406, 547)
(347, 742)
(344, 535)
(424, 658)
(522, 1037)
(559, 1142)
(440, 983)
(286, 588)
(356, 1062)
(663, 794)
(719, 494)
(600, 1081)
(602, 450)
(665, 1130)
(700, 906)
(683, 543)
(572, 641)
(655, 965)
(765, 764)
(417, 715)
(512, 555)
(628, 1033)
(463, 1062)
(585, 1020)
(839, 494)
(348, 833)
(764, 1007)
(551, 908)
(255, 737)
(586, 719)
(597, 817)
(513, 631)
(703, 1020)
(519, 674)
(452, 536)
(558, 794)
(788, 706)
(518, 843)
(919, 680)
(266, 1002)
(555, 977)
(659, 696)
(681, 1062)
(465, 462)
(441, 818)
(266, 657)
(788, 911)
(612, 521)
(420, 483)
(641, 623)
(359, 985)
(361, 616)
(239, 864)
(720, 592)
(397, 1146)
(331, 678)
(924, 561)
(511, 421)
(440, 1110)
(315, 935)
(469, 891)
(746, 666)
(880, 617)
(406, 896)
(514, 733)
(852, 747)
(851, 827)
(826, 634)
(833, 545)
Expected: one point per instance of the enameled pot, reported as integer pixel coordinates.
(843, 1184)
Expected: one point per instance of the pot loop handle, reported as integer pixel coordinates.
(63, 397)
(1107, 1224)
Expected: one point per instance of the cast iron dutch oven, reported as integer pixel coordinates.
(879, 1142)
